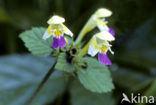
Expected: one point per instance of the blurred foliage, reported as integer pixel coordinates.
(81, 96)
(134, 68)
(20, 80)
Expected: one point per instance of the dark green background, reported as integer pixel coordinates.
(134, 62)
(19, 15)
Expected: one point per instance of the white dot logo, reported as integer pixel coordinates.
(125, 98)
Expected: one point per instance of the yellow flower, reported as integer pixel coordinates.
(56, 20)
(103, 12)
(105, 35)
(100, 43)
(57, 29)
(97, 19)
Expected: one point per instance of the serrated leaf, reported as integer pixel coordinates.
(96, 77)
(34, 42)
(63, 65)
(81, 96)
(21, 74)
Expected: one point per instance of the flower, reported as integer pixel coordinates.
(100, 44)
(96, 20)
(57, 29)
(102, 26)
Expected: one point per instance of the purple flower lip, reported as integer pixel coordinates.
(59, 42)
(103, 58)
(112, 31)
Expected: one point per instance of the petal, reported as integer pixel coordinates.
(92, 50)
(103, 42)
(105, 35)
(103, 28)
(102, 25)
(56, 20)
(67, 31)
(62, 41)
(112, 31)
(112, 52)
(55, 42)
(46, 35)
(90, 25)
(103, 12)
(103, 58)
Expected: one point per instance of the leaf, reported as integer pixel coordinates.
(96, 77)
(34, 42)
(69, 39)
(63, 65)
(81, 96)
(21, 74)
(133, 82)
(151, 90)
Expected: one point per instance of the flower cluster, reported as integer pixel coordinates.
(99, 43)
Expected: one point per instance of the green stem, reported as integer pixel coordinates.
(46, 77)
(84, 30)
(87, 28)
(80, 36)
(84, 50)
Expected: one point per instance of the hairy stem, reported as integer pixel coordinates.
(46, 77)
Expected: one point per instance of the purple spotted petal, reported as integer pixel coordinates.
(103, 58)
(55, 42)
(62, 42)
(112, 31)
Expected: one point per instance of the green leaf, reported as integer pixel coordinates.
(151, 90)
(135, 81)
(81, 96)
(63, 65)
(69, 39)
(34, 42)
(96, 77)
(21, 74)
